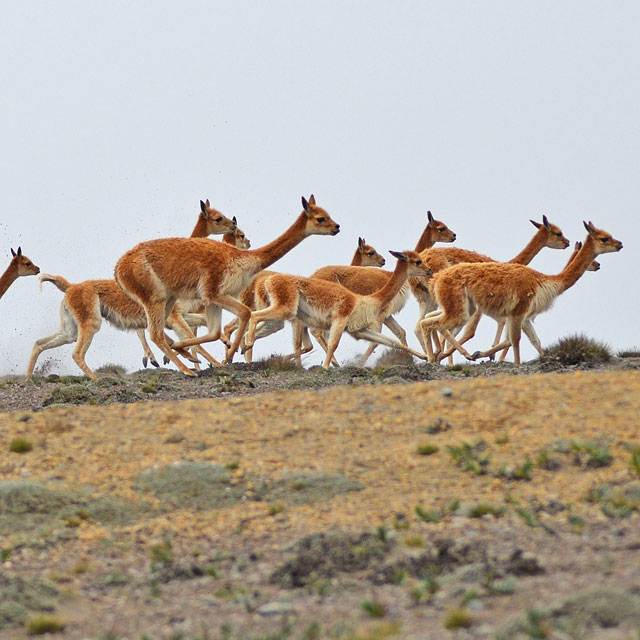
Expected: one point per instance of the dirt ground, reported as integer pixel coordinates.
(255, 502)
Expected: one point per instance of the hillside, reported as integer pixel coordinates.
(376, 508)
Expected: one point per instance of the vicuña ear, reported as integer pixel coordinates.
(312, 199)
(361, 244)
(305, 204)
(589, 227)
(399, 255)
(429, 217)
(235, 221)
(13, 253)
(545, 222)
(203, 208)
(578, 245)
(537, 225)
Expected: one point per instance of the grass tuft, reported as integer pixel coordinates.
(458, 618)
(42, 623)
(470, 457)
(374, 608)
(20, 445)
(426, 449)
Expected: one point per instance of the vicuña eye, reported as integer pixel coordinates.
(605, 239)
(320, 219)
(418, 262)
(218, 219)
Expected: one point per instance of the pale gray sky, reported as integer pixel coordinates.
(119, 117)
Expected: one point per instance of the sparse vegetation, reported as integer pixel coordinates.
(427, 516)
(634, 463)
(590, 455)
(634, 352)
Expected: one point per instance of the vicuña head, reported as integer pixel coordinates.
(435, 231)
(22, 264)
(367, 256)
(554, 237)
(211, 222)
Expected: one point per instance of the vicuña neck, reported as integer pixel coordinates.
(273, 251)
(200, 230)
(7, 278)
(427, 239)
(531, 250)
(394, 284)
(357, 259)
(576, 267)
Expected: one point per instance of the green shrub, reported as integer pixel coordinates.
(426, 449)
(20, 445)
(458, 618)
(42, 623)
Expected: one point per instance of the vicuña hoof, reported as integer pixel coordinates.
(154, 362)
(145, 361)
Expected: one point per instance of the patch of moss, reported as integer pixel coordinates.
(27, 506)
(306, 488)
(193, 485)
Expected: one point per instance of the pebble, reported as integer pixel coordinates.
(447, 392)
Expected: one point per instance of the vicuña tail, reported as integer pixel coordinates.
(62, 283)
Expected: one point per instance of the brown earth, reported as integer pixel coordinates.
(374, 504)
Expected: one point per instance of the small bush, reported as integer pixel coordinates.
(577, 349)
(20, 445)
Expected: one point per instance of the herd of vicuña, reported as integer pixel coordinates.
(182, 284)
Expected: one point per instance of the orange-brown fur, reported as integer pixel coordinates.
(19, 265)
(510, 291)
(547, 235)
(329, 306)
(365, 282)
(365, 255)
(86, 303)
(158, 272)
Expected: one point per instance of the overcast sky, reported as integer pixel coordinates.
(118, 117)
